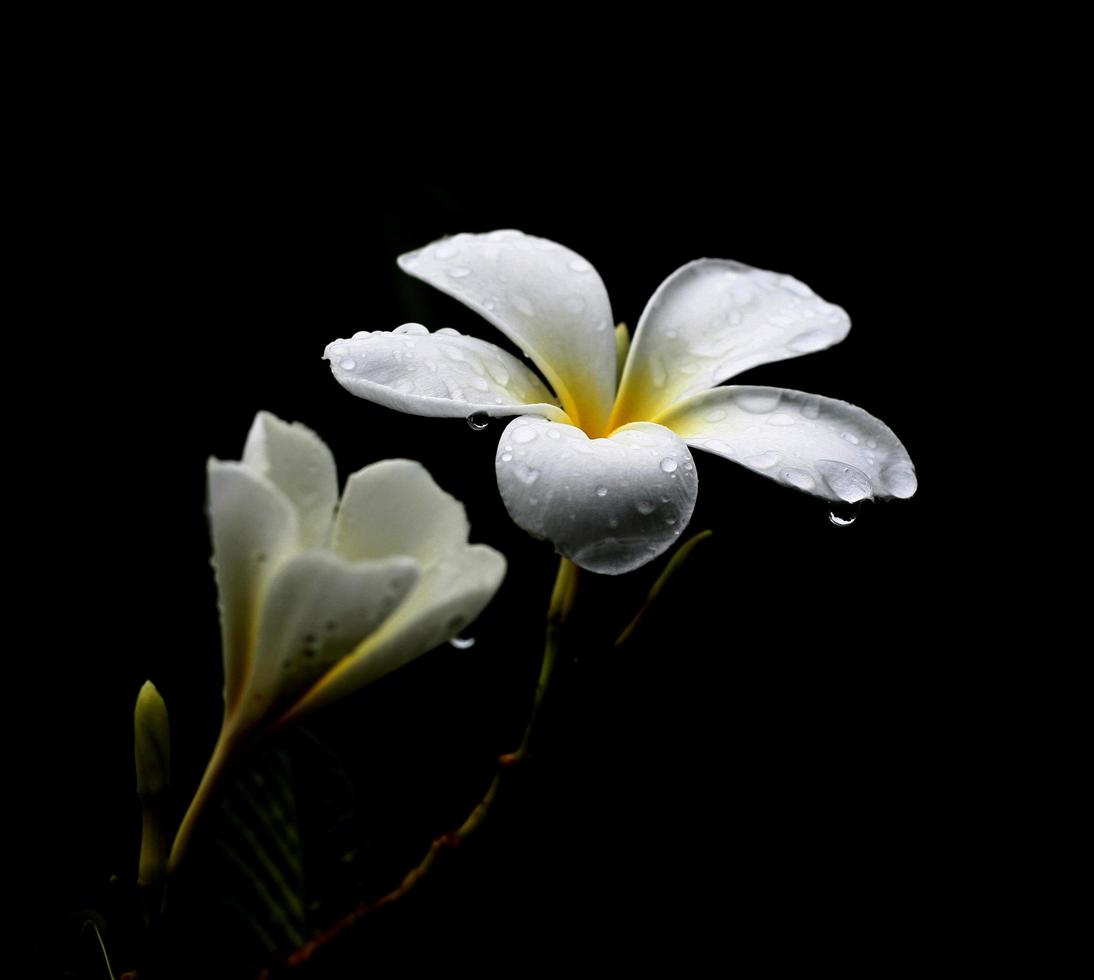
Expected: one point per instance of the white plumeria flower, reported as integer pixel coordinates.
(604, 471)
(316, 602)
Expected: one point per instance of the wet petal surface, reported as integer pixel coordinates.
(819, 445)
(442, 374)
(610, 505)
(544, 297)
(713, 319)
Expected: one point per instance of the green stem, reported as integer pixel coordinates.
(562, 600)
(677, 560)
(222, 756)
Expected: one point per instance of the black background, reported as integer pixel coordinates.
(777, 770)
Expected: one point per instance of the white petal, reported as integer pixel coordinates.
(394, 508)
(610, 504)
(447, 599)
(318, 609)
(254, 528)
(300, 465)
(820, 445)
(439, 374)
(713, 319)
(548, 300)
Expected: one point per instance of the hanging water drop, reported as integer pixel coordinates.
(478, 421)
(462, 642)
(844, 515)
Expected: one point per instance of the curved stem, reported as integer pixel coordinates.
(222, 756)
(562, 600)
(671, 569)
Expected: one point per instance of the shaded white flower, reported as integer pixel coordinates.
(317, 600)
(604, 471)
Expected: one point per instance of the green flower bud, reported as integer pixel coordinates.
(152, 741)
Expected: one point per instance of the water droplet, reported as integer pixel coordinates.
(347, 364)
(668, 465)
(602, 491)
(506, 457)
(810, 340)
(446, 251)
(488, 304)
(842, 516)
(478, 421)
(524, 434)
(846, 482)
(417, 330)
(497, 372)
(580, 265)
(553, 433)
(871, 443)
(644, 506)
(462, 642)
(459, 272)
(362, 333)
(899, 480)
(716, 416)
(801, 479)
(849, 437)
(763, 461)
(446, 332)
(525, 473)
(810, 408)
(757, 402)
(523, 305)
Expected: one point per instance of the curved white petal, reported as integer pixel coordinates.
(610, 505)
(300, 465)
(318, 609)
(820, 445)
(254, 528)
(438, 374)
(451, 593)
(394, 507)
(545, 298)
(713, 319)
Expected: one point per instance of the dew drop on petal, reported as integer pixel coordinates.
(843, 516)
(763, 461)
(446, 251)
(462, 642)
(758, 402)
(478, 421)
(524, 434)
(347, 364)
(644, 506)
(668, 465)
(801, 479)
(580, 265)
(459, 272)
(602, 491)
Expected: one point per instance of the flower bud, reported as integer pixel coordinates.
(152, 741)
